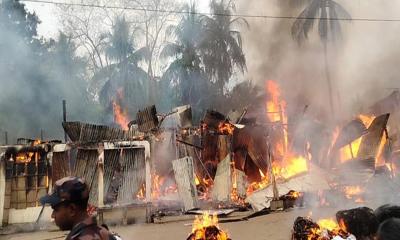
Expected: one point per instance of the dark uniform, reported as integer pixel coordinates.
(89, 230)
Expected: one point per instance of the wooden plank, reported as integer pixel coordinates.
(185, 179)
(222, 182)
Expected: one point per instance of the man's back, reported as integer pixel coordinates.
(89, 230)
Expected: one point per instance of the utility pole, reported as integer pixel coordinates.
(64, 105)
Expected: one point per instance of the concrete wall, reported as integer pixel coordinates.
(29, 215)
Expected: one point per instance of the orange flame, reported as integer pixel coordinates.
(288, 168)
(367, 120)
(140, 195)
(380, 160)
(120, 115)
(351, 191)
(200, 226)
(294, 166)
(226, 128)
(276, 112)
(275, 106)
(328, 224)
(26, 157)
(328, 229)
(350, 151)
(158, 189)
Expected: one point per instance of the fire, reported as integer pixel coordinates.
(206, 228)
(351, 191)
(120, 115)
(203, 188)
(328, 223)
(26, 157)
(294, 166)
(276, 113)
(305, 228)
(380, 160)
(350, 151)
(159, 187)
(226, 128)
(275, 106)
(367, 120)
(328, 229)
(289, 164)
(140, 195)
(197, 181)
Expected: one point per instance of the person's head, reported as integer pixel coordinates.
(69, 202)
(387, 211)
(389, 229)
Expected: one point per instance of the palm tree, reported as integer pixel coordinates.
(327, 12)
(185, 74)
(222, 45)
(124, 71)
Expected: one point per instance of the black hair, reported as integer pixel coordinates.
(81, 204)
(387, 211)
(389, 229)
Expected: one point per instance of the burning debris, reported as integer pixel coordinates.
(357, 223)
(206, 228)
(324, 229)
(228, 161)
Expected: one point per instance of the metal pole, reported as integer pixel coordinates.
(6, 137)
(64, 104)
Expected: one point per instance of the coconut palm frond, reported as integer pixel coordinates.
(323, 24)
(240, 20)
(142, 54)
(335, 27)
(305, 21)
(341, 12)
(170, 50)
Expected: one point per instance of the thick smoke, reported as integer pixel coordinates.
(362, 65)
(363, 68)
(35, 76)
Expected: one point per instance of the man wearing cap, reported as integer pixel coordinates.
(69, 202)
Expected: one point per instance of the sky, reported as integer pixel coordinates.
(50, 24)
